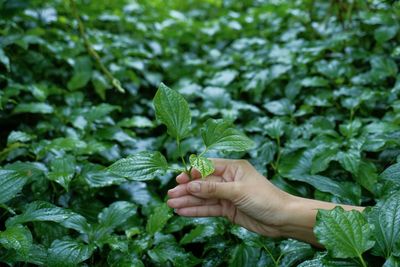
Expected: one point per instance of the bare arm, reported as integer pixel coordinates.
(237, 191)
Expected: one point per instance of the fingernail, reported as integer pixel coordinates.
(194, 187)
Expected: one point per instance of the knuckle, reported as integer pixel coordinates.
(236, 190)
(211, 187)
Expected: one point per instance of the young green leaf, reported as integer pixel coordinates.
(11, 183)
(345, 234)
(220, 134)
(202, 164)
(66, 253)
(385, 216)
(173, 111)
(143, 166)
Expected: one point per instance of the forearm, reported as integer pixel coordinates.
(301, 217)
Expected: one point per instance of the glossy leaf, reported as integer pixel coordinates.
(173, 111)
(68, 253)
(116, 214)
(42, 108)
(141, 166)
(11, 183)
(220, 134)
(385, 217)
(202, 164)
(158, 219)
(43, 211)
(62, 170)
(17, 237)
(392, 173)
(345, 234)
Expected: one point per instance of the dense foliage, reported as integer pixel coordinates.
(313, 83)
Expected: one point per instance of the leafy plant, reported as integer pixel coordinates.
(173, 111)
(314, 84)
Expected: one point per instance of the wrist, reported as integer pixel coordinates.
(299, 219)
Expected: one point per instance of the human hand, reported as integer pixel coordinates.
(235, 190)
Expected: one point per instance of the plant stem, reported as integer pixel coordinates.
(7, 208)
(178, 143)
(114, 81)
(362, 260)
(276, 262)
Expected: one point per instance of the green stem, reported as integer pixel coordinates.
(202, 153)
(114, 81)
(7, 208)
(178, 143)
(362, 260)
(276, 262)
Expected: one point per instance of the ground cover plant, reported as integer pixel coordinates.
(314, 84)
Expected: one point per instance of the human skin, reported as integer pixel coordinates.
(238, 192)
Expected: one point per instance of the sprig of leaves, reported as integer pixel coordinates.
(173, 111)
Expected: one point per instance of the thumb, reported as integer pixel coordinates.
(212, 189)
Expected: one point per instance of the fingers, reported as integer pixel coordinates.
(184, 177)
(201, 211)
(181, 189)
(220, 166)
(213, 189)
(190, 201)
(178, 191)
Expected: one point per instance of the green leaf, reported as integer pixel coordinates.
(136, 121)
(36, 255)
(275, 128)
(280, 107)
(142, 166)
(42, 108)
(297, 166)
(294, 252)
(345, 234)
(65, 253)
(116, 214)
(43, 211)
(391, 174)
(349, 160)
(158, 219)
(17, 237)
(18, 136)
(364, 172)
(321, 160)
(62, 170)
(102, 178)
(202, 232)
(171, 252)
(385, 216)
(243, 255)
(202, 164)
(220, 135)
(173, 111)
(392, 261)
(11, 183)
(385, 33)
